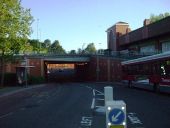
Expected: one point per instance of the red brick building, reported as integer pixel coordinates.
(150, 39)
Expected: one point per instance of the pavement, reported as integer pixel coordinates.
(145, 85)
(6, 91)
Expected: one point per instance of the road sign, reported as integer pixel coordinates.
(116, 116)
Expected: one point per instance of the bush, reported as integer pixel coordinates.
(36, 80)
(9, 79)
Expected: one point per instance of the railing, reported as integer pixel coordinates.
(127, 55)
(158, 28)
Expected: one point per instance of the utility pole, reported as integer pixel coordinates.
(98, 67)
(83, 47)
(37, 27)
(40, 38)
(38, 33)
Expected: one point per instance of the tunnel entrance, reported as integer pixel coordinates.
(65, 72)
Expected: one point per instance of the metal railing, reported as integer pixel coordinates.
(114, 54)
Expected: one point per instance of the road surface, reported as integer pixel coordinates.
(68, 105)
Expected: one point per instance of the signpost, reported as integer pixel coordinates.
(115, 110)
(115, 114)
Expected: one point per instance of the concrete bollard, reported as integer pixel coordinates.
(108, 94)
(115, 110)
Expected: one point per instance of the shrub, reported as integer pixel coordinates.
(9, 79)
(36, 80)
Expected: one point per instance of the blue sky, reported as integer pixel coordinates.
(78, 22)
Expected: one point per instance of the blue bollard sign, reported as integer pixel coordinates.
(116, 116)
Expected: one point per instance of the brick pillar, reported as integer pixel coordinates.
(157, 46)
(108, 69)
(42, 67)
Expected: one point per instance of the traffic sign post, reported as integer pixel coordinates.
(116, 114)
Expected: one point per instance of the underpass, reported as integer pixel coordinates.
(66, 69)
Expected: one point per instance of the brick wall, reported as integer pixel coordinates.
(109, 69)
(36, 70)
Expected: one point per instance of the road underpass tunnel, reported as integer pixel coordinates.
(65, 72)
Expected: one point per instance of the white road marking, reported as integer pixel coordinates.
(39, 101)
(89, 87)
(93, 103)
(134, 119)
(6, 115)
(86, 121)
(101, 93)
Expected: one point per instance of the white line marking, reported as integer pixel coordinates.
(134, 119)
(93, 103)
(99, 92)
(89, 87)
(86, 121)
(99, 99)
(6, 115)
(98, 106)
(94, 93)
(39, 101)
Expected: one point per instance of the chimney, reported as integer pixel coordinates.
(146, 22)
(128, 30)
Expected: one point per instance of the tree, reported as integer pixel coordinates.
(72, 52)
(153, 18)
(46, 43)
(57, 48)
(90, 49)
(79, 51)
(15, 22)
(35, 45)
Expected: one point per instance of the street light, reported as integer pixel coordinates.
(99, 44)
(98, 67)
(26, 79)
(83, 47)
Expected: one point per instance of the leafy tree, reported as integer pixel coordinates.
(73, 52)
(90, 49)
(57, 48)
(79, 51)
(15, 22)
(46, 43)
(154, 18)
(36, 45)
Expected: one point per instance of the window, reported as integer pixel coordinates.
(150, 49)
(166, 46)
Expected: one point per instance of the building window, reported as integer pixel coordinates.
(166, 46)
(150, 49)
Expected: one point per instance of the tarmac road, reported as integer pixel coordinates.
(52, 106)
(68, 105)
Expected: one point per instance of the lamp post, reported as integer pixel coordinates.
(26, 79)
(98, 67)
(83, 48)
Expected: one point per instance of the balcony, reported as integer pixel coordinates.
(156, 29)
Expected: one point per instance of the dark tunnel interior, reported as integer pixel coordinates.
(65, 72)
